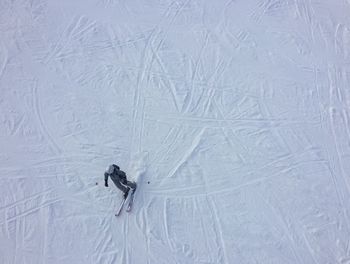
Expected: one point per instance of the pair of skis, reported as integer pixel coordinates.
(130, 199)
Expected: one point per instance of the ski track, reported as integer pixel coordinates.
(235, 114)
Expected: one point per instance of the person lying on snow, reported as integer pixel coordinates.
(119, 178)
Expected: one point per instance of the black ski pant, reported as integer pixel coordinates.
(123, 185)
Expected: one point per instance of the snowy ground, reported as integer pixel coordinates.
(235, 113)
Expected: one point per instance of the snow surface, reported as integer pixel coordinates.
(235, 113)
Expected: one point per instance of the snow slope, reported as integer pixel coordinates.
(235, 113)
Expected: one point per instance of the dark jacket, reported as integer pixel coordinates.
(118, 177)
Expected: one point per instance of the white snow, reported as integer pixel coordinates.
(233, 116)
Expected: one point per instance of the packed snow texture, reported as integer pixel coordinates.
(235, 113)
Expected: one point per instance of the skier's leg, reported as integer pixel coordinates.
(130, 184)
(120, 186)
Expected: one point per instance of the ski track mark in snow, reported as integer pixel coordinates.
(187, 154)
(219, 232)
(189, 98)
(278, 218)
(28, 206)
(3, 60)
(145, 65)
(42, 126)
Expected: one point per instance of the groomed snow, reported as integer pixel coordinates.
(233, 115)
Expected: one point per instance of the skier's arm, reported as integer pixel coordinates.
(106, 179)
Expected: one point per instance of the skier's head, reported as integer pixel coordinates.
(110, 169)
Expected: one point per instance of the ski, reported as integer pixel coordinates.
(121, 206)
(131, 200)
